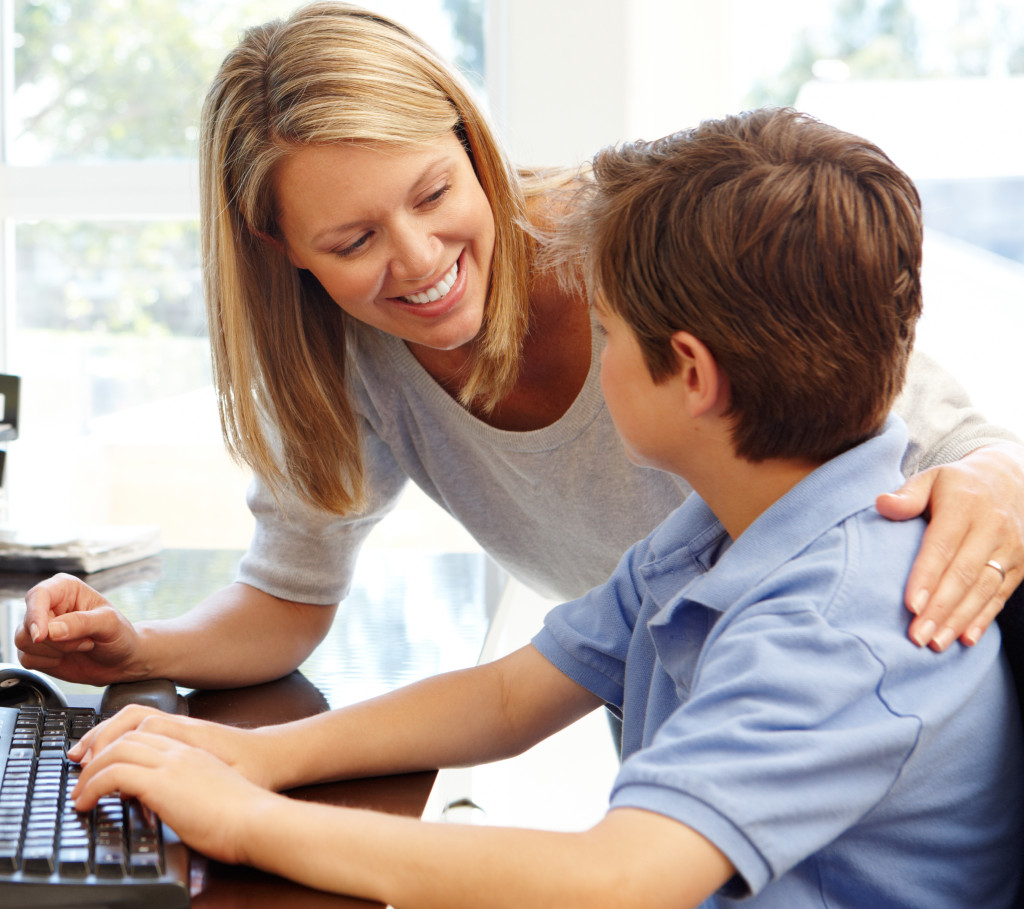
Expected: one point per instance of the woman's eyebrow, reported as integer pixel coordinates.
(426, 176)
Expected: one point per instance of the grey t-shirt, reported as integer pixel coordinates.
(556, 507)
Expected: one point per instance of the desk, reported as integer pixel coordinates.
(409, 616)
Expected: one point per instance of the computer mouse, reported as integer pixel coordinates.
(158, 693)
(21, 687)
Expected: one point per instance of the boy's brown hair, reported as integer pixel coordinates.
(788, 247)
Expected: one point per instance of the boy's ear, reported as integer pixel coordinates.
(704, 385)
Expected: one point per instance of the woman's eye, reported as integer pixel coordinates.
(438, 195)
(352, 247)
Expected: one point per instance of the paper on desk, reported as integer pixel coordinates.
(79, 551)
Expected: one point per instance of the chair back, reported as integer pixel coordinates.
(1011, 626)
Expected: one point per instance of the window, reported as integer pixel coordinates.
(103, 315)
(938, 85)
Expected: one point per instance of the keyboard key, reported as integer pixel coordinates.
(145, 865)
(73, 860)
(37, 858)
(109, 860)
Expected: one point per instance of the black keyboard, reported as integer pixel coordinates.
(116, 855)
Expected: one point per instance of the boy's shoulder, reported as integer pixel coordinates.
(822, 541)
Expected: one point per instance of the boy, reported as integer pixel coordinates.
(758, 283)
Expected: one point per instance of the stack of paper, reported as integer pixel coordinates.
(79, 551)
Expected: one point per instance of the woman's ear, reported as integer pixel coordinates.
(268, 238)
(704, 385)
(278, 245)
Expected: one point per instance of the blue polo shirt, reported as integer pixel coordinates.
(772, 701)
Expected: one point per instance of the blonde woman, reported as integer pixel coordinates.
(378, 314)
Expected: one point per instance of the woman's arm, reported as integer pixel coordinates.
(238, 636)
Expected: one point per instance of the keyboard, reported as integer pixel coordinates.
(116, 855)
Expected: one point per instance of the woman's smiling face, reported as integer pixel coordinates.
(401, 239)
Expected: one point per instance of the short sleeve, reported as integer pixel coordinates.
(588, 639)
(784, 743)
(302, 553)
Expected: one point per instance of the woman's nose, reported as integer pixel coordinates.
(416, 253)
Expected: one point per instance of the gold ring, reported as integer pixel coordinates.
(992, 563)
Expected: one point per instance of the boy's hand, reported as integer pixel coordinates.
(206, 802)
(72, 632)
(976, 515)
(247, 752)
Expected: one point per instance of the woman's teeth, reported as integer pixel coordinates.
(439, 290)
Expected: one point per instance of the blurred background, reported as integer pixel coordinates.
(100, 294)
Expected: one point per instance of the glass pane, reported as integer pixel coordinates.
(120, 303)
(124, 79)
(933, 83)
(118, 421)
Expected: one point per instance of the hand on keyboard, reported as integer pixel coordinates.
(112, 854)
(237, 748)
(207, 803)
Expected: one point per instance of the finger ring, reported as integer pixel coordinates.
(992, 563)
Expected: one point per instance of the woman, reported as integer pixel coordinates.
(377, 313)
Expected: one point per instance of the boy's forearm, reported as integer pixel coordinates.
(460, 718)
(632, 858)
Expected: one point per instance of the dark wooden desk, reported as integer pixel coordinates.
(409, 616)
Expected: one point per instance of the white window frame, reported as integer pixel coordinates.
(94, 192)
(599, 71)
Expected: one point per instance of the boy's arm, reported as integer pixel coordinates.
(632, 858)
(460, 718)
(455, 719)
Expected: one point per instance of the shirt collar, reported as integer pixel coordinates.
(693, 541)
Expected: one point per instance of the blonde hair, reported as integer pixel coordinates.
(329, 73)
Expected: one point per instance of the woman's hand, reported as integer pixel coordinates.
(210, 806)
(72, 632)
(976, 516)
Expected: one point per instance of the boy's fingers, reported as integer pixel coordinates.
(124, 721)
